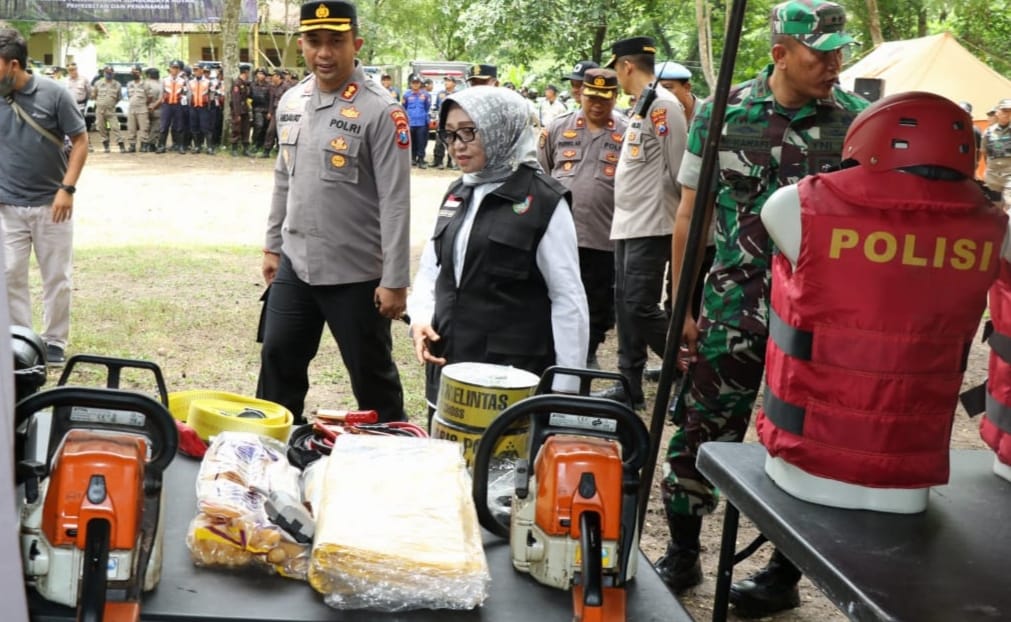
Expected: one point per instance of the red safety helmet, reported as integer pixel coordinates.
(912, 129)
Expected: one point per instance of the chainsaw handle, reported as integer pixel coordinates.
(631, 433)
(159, 426)
(114, 368)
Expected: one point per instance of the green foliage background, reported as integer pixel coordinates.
(535, 41)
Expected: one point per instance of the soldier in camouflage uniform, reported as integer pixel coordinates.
(786, 123)
(995, 145)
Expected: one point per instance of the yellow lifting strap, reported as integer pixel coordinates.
(211, 412)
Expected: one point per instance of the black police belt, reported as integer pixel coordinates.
(798, 344)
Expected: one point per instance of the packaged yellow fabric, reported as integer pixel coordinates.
(396, 528)
(240, 471)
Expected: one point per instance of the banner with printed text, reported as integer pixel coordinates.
(146, 11)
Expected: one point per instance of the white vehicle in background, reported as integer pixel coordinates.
(437, 71)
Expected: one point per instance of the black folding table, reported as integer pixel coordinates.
(947, 564)
(190, 594)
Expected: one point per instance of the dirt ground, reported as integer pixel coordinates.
(200, 200)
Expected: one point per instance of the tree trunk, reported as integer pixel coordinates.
(705, 42)
(229, 58)
(874, 23)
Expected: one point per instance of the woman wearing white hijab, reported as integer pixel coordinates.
(499, 279)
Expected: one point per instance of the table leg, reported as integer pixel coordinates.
(725, 571)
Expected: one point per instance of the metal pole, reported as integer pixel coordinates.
(690, 266)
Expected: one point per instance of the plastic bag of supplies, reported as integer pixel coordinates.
(396, 528)
(242, 479)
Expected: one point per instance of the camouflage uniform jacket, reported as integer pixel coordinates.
(996, 145)
(763, 147)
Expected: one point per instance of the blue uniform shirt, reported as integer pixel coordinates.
(417, 103)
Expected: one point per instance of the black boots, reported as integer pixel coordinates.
(162, 138)
(679, 568)
(770, 590)
(122, 147)
(105, 146)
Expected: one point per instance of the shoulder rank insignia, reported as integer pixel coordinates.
(616, 137)
(402, 129)
(349, 91)
(350, 112)
(581, 122)
(659, 118)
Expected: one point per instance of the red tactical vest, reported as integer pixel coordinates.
(870, 334)
(995, 428)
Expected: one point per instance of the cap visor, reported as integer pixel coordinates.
(830, 42)
(334, 27)
(601, 93)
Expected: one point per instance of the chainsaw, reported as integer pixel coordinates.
(91, 516)
(573, 521)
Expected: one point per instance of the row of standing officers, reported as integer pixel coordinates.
(184, 111)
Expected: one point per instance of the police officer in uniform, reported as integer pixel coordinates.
(337, 246)
(240, 112)
(217, 109)
(277, 89)
(259, 91)
(107, 93)
(645, 200)
(580, 149)
(676, 78)
(995, 146)
(200, 110)
(439, 151)
(153, 82)
(482, 75)
(575, 78)
(173, 93)
(138, 123)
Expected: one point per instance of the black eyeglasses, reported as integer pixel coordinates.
(464, 135)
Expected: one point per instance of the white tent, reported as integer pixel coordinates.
(936, 64)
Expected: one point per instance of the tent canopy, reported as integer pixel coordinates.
(936, 64)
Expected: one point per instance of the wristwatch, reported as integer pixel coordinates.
(68, 188)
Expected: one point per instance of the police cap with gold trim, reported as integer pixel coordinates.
(631, 47)
(336, 15)
(601, 83)
(482, 72)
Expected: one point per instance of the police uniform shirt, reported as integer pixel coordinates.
(646, 194)
(585, 162)
(556, 261)
(78, 89)
(341, 204)
(107, 93)
(137, 94)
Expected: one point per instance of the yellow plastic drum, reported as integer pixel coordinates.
(471, 395)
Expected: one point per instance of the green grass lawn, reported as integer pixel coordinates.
(194, 312)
